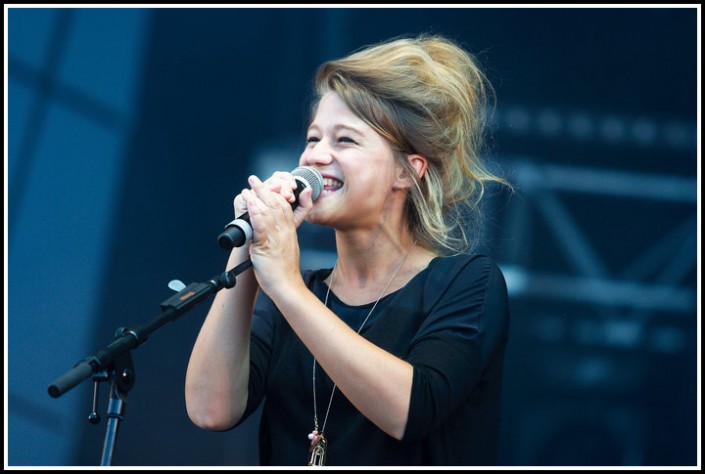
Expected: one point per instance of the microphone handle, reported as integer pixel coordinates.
(236, 233)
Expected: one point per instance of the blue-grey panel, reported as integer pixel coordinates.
(104, 53)
(28, 33)
(19, 98)
(55, 267)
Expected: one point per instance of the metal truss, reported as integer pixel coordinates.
(658, 279)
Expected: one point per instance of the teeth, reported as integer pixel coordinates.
(333, 183)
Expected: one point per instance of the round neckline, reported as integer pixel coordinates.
(324, 273)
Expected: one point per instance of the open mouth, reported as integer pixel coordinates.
(331, 184)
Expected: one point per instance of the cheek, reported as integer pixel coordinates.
(302, 159)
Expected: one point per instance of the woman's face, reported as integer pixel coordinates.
(357, 165)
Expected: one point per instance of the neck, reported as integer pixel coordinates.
(366, 266)
(371, 255)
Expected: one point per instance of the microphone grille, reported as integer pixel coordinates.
(312, 177)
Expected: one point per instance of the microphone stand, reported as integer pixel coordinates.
(114, 362)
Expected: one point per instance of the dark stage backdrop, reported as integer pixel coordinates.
(130, 130)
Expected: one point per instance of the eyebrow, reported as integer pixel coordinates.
(337, 127)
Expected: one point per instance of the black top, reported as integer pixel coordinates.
(450, 322)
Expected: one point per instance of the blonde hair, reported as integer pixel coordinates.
(426, 95)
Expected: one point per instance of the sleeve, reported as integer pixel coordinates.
(466, 326)
(261, 344)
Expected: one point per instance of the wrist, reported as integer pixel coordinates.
(285, 292)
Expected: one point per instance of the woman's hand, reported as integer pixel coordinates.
(274, 249)
(283, 183)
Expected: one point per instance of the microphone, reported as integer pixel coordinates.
(239, 231)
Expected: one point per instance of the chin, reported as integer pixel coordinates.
(314, 217)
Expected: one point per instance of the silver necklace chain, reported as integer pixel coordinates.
(315, 407)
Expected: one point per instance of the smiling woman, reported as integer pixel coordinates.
(395, 355)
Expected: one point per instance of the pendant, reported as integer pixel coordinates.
(317, 451)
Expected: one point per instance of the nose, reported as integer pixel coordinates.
(318, 154)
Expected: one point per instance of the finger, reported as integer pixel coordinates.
(251, 201)
(286, 185)
(239, 204)
(270, 199)
(306, 198)
(305, 205)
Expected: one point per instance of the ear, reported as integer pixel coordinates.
(418, 163)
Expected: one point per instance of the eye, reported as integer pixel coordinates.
(312, 140)
(346, 140)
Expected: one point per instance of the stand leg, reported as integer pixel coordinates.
(122, 380)
(116, 409)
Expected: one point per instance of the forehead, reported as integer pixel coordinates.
(332, 110)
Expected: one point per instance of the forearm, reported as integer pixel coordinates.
(218, 370)
(376, 382)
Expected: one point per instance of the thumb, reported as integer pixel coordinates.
(305, 204)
